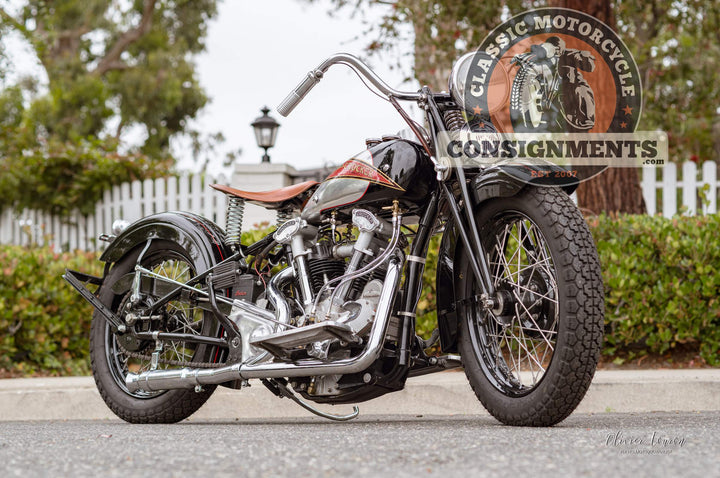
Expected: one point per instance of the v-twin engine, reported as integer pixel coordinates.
(336, 324)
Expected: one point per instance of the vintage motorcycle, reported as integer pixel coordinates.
(323, 309)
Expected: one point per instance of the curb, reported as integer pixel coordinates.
(446, 393)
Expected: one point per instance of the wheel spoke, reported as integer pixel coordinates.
(523, 341)
(178, 317)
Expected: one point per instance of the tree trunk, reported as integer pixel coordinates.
(616, 189)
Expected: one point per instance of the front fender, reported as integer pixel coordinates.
(202, 238)
(497, 182)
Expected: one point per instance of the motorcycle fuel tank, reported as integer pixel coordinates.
(394, 169)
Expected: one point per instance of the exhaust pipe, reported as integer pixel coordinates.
(157, 380)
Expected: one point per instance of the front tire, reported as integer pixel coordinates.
(112, 356)
(531, 358)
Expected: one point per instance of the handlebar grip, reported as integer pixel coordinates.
(297, 95)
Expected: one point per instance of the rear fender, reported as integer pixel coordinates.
(202, 238)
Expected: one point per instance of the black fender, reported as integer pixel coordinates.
(202, 238)
(496, 182)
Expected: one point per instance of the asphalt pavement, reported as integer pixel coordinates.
(661, 444)
(442, 394)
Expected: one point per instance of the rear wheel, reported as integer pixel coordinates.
(530, 359)
(113, 356)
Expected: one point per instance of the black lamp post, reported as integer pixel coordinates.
(265, 128)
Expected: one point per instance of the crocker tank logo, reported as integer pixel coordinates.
(554, 70)
(358, 169)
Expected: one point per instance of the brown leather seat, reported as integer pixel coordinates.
(275, 199)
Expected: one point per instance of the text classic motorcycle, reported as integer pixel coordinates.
(323, 309)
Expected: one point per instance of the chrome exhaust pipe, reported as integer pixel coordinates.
(156, 380)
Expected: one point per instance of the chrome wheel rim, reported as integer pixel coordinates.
(179, 317)
(516, 342)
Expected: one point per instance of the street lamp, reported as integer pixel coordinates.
(265, 128)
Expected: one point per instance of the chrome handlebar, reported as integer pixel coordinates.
(314, 77)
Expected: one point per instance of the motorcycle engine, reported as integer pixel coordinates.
(336, 275)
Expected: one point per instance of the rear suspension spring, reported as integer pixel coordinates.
(234, 220)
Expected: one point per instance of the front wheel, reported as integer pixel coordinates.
(531, 358)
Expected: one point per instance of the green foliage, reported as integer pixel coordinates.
(128, 60)
(110, 66)
(662, 283)
(60, 177)
(427, 305)
(44, 323)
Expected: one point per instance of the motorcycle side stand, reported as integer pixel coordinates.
(279, 388)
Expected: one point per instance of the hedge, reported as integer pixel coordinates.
(44, 323)
(662, 291)
(662, 283)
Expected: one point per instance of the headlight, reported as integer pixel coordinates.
(458, 77)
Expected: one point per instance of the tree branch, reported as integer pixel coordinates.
(21, 28)
(112, 59)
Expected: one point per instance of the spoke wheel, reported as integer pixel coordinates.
(126, 354)
(114, 356)
(516, 339)
(530, 358)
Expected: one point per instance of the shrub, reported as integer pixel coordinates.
(44, 323)
(662, 283)
(62, 177)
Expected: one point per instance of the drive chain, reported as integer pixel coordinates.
(181, 363)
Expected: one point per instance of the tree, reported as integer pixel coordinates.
(111, 67)
(615, 189)
(442, 30)
(677, 49)
(675, 44)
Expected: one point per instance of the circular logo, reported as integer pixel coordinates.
(553, 70)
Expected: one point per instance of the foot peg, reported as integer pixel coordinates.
(281, 344)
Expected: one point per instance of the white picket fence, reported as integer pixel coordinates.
(667, 191)
(128, 201)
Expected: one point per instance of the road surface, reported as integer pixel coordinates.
(683, 444)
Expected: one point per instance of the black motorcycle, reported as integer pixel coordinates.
(323, 309)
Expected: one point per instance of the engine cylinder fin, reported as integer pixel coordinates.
(322, 270)
(283, 216)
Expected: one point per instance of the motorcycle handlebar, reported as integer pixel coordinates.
(297, 95)
(314, 77)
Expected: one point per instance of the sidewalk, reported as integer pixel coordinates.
(447, 393)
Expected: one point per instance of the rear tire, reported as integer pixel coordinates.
(531, 361)
(110, 360)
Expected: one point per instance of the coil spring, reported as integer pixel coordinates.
(454, 120)
(234, 220)
(283, 216)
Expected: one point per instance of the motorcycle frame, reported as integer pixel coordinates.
(451, 202)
